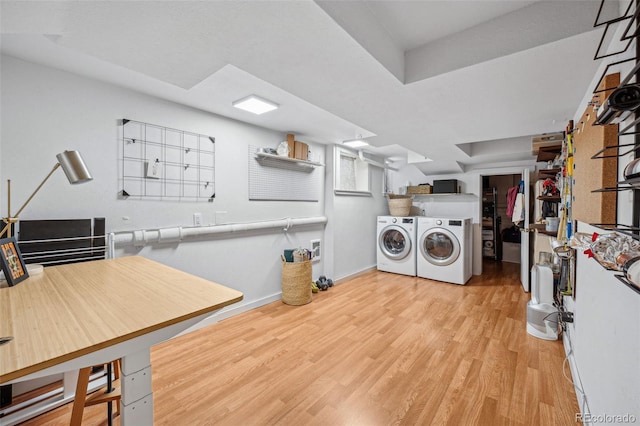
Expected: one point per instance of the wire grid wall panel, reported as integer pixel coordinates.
(273, 179)
(161, 163)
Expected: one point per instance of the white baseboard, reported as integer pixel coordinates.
(355, 274)
(575, 375)
(230, 311)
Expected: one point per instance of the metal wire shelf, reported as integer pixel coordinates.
(628, 283)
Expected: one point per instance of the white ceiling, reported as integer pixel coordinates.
(419, 75)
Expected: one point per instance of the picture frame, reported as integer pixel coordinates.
(11, 261)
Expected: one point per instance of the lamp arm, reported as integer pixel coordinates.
(36, 190)
(5, 229)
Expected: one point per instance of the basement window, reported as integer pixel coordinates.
(351, 173)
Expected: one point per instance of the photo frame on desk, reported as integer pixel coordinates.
(11, 261)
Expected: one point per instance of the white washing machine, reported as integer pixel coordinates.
(397, 244)
(445, 249)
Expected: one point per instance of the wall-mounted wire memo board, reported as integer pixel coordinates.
(160, 163)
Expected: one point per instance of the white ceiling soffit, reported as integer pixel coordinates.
(413, 47)
(330, 81)
(490, 148)
(441, 167)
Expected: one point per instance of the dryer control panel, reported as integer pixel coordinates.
(455, 223)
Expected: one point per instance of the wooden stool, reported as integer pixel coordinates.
(98, 397)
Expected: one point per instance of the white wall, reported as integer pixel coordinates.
(351, 229)
(603, 343)
(46, 111)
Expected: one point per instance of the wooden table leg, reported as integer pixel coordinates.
(81, 394)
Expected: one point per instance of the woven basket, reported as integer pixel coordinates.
(296, 282)
(400, 206)
(420, 189)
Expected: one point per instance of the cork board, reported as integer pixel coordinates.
(587, 206)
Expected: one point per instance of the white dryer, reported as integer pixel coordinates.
(445, 249)
(397, 244)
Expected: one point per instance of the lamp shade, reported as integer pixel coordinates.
(74, 167)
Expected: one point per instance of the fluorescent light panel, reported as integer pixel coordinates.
(355, 143)
(255, 104)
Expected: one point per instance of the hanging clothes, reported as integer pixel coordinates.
(518, 209)
(511, 199)
(518, 206)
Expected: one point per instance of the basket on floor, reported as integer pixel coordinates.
(400, 205)
(296, 282)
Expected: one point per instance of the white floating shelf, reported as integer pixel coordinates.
(289, 160)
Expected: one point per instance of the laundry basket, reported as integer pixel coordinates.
(399, 205)
(296, 282)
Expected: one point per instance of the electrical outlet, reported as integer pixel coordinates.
(566, 316)
(315, 246)
(197, 219)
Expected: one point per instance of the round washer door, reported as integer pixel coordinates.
(394, 242)
(439, 246)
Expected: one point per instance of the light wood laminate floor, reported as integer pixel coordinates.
(379, 349)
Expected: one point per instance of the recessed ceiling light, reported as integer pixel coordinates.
(355, 143)
(255, 104)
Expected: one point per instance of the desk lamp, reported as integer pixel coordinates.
(75, 170)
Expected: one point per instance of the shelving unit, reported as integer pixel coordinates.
(490, 225)
(548, 153)
(550, 198)
(629, 284)
(276, 160)
(548, 173)
(456, 194)
(614, 150)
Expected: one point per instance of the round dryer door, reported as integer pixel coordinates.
(439, 246)
(394, 242)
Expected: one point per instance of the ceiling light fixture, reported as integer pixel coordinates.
(355, 143)
(255, 104)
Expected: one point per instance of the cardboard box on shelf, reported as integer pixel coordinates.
(301, 150)
(291, 144)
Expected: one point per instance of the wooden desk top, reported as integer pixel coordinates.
(72, 310)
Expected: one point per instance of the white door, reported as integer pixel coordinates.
(524, 234)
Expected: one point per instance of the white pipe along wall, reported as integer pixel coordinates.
(141, 238)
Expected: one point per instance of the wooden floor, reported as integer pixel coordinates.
(380, 349)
